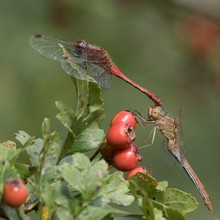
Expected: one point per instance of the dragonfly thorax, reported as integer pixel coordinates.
(93, 54)
(81, 46)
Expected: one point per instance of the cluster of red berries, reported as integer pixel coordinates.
(120, 151)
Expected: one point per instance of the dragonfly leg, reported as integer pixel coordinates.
(141, 120)
(153, 134)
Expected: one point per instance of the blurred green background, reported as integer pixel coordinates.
(171, 49)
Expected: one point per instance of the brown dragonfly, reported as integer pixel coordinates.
(171, 129)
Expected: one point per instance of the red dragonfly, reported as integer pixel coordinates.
(84, 61)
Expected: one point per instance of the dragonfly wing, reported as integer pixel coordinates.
(178, 151)
(79, 66)
(51, 47)
(76, 70)
(99, 75)
(167, 156)
(178, 122)
(85, 70)
(174, 155)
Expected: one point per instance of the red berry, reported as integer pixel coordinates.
(126, 117)
(137, 152)
(15, 192)
(136, 170)
(108, 152)
(126, 159)
(120, 135)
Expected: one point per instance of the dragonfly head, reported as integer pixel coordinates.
(154, 113)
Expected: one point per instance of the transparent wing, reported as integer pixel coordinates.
(176, 155)
(100, 75)
(77, 66)
(74, 70)
(167, 156)
(180, 145)
(178, 122)
(51, 47)
(84, 70)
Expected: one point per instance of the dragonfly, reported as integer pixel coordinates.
(84, 61)
(171, 130)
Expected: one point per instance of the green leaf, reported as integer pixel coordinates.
(73, 177)
(61, 199)
(56, 195)
(49, 174)
(95, 97)
(130, 217)
(146, 206)
(8, 151)
(172, 214)
(173, 203)
(62, 213)
(10, 212)
(84, 129)
(47, 201)
(92, 213)
(25, 170)
(82, 123)
(158, 214)
(175, 199)
(66, 115)
(141, 183)
(52, 145)
(116, 185)
(34, 152)
(83, 176)
(80, 161)
(6, 172)
(117, 211)
(90, 138)
(89, 98)
(57, 199)
(22, 137)
(82, 92)
(95, 177)
(95, 185)
(162, 186)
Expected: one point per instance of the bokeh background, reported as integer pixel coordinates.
(169, 47)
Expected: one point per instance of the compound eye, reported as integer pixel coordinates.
(149, 112)
(155, 113)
